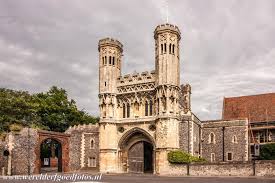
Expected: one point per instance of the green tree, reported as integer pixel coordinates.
(52, 110)
(267, 152)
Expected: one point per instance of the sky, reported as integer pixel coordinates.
(227, 47)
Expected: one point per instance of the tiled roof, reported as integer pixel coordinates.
(258, 108)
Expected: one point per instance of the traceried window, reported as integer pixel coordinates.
(91, 162)
(124, 111)
(128, 110)
(211, 138)
(146, 108)
(151, 108)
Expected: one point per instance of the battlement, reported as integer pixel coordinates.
(167, 27)
(134, 78)
(110, 42)
(82, 127)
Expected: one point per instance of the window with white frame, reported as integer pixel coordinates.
(234, 139)
(91, 162)
(92, 144)
(212, 139)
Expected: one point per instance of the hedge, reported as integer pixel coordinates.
(181, 157)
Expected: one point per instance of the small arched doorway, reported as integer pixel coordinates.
(137, 152)
(50, 156)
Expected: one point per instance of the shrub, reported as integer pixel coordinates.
(179, 156)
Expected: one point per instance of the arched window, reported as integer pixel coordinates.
(105, 60)
(110, 60)
(234, 139)
(211, 138)
(146, 108)
(151, 108)
(102, 60)
(128, 110)
(173, 50)
(170, 48)
(164, 47)
(124, 111)
(161, 48)
(92, 144)
(113, 60)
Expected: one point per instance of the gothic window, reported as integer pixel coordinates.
(105, 60)
(161, 48)
(105, 83)
(229, 156)
(173, 49)
(102, 60)
(146, 108)
(113, 60)
(92, 144)
(212, 157)
(164, 47)
(211, 138)
(151, 108)
(170, 48)
(110, 60)
(128, 110)
(234, 139)
(91, 162)
(124, 111)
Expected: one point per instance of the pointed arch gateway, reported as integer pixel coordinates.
(137, 152)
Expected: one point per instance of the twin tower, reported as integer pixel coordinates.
(141, 110)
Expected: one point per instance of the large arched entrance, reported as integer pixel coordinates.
(137, 152)
(51, 156)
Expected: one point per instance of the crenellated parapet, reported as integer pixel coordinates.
(167, 28)
(82, 127)
(110, 42)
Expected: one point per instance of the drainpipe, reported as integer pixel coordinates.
(29, 167)
(223, 128)
(188, 138)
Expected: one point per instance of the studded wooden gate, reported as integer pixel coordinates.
(136, 158)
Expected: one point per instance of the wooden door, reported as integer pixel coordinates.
(136, 158)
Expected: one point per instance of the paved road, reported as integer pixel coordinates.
(126, 178)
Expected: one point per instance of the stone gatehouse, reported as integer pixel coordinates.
(143, 116)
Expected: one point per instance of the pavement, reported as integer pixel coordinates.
(137, 178)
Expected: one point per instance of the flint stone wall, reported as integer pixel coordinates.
(262, 168)
(80, 149)
(23, 153)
